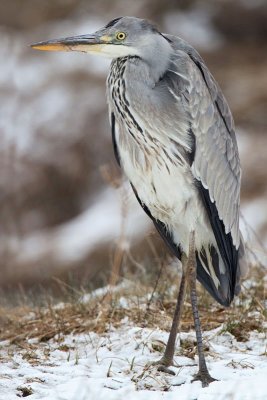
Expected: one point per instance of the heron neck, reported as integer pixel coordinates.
(156, 58)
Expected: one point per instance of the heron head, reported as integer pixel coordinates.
(121, 37)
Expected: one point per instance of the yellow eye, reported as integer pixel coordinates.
(120, 36)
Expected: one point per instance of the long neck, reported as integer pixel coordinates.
(156, 55)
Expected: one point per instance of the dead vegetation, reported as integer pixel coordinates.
(142, 305)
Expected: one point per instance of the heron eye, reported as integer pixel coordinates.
(120, 35)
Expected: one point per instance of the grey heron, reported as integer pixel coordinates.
(173, 136)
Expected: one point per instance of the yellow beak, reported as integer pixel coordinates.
(84, 43)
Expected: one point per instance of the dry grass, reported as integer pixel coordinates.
(146, 307)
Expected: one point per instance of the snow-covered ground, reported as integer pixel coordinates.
(114, 366)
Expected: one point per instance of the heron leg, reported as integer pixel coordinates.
(203, 373)
(167, 358)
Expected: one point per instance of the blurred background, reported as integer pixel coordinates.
(66, 217)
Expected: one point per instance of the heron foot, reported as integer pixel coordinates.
(163, 363)
(204, 377)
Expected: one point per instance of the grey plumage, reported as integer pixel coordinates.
(173, 136)
(178, 116)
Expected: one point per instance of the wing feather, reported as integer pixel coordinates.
(216, 164)
(216, 157)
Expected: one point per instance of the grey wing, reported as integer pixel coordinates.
(216, 161)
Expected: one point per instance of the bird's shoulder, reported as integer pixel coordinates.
(187, 59)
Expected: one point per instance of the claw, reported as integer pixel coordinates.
(162, 368)
(204, 377)
(163, 364)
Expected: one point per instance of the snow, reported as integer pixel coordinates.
(253, 212)
(99, 223)
(114, 365)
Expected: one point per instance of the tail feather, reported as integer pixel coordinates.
(226, 263)
(214, 276)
